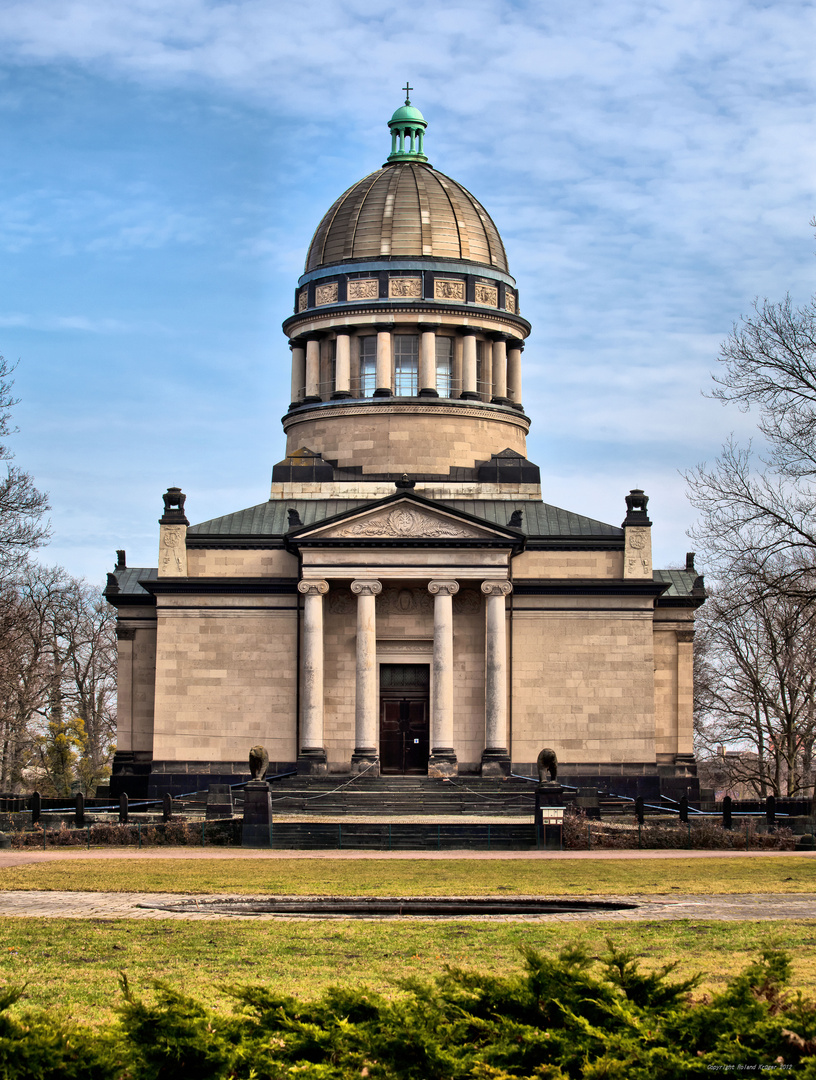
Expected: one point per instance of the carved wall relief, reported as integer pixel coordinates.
(326, 294)
(467, 602)
(487, 295)
(173, 550)
(404, 286)
(363, 289)
(303, 299)
(341, 602)
(445, 289)
(405, 601)
(510, 301)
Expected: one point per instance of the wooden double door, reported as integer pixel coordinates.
(404, 719)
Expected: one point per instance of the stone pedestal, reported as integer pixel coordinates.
(257, 815)
(219, 801)
(549, 803)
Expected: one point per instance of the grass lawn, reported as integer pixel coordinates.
(382, 877)
(74, 964)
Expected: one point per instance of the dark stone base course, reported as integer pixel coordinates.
(136, 775)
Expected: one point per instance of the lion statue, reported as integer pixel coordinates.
(547, 762)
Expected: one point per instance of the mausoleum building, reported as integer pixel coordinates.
(405, 601)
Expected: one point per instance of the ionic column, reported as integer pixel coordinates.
(312, 756)
(495, 759)
(298, 371)
(384, 364)
(514, 372)
(427, 361)
(313, 369)
(442, 761)
(469, 388)
(500, 371)
(342, 367)
(366, 707)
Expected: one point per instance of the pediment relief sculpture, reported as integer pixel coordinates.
(405, 522)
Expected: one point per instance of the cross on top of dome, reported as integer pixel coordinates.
(407, 127)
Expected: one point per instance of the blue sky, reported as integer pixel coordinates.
(649, 165)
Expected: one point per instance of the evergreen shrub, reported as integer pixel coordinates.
(562, 1017)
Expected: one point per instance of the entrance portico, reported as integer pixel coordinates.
(413, 551)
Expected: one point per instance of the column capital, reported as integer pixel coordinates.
(443, 588)
(498, 335)
(342, 330)
(429, 327)
(313, 588)
(366, 588)
(497, 588)
(468, 331)
(297, 343)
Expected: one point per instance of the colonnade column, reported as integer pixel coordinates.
(442, 761)
(311, 754)
(366, 708)
(312, 368)
(499, 370)
(384, 386)
(495, 759)
(298, 371)
(514, 372)
(427, 361)
(342, 366)
(469, 388)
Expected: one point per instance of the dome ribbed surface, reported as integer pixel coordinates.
(410, 210)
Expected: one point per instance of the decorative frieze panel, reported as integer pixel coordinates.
(510, 301)
(363, 289)
(404, 600)
(487, 295)
(447, 289)
(326, 294)
(410, 288)
(407, 522)
(303, 299)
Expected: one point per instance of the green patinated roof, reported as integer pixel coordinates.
(130, 576)
(681, 582)
(539, 520)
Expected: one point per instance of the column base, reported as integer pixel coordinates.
(428, 391)
(470, 395)
(383, 391)
(442, 763)
(496, 762)
(517, 405)
(312, 762)
(341, 395)
(365, 761)
(500, 401)
(311, 399)
(255, 832)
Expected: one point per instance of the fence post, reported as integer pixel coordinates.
(726, 808)
(79, 813)
(684, 809)
(167, 806)
(88, 837)
(639, 809)
(36, 807)
(770, 812)
(123, 809)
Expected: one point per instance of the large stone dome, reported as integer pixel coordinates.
(406, 209)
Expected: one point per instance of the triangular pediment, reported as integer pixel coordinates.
(403, 519)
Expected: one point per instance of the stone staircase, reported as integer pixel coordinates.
(402, 796)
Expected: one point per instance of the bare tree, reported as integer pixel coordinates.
(756, 508)
(756, 687)
(21, 505)
(57, 683)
